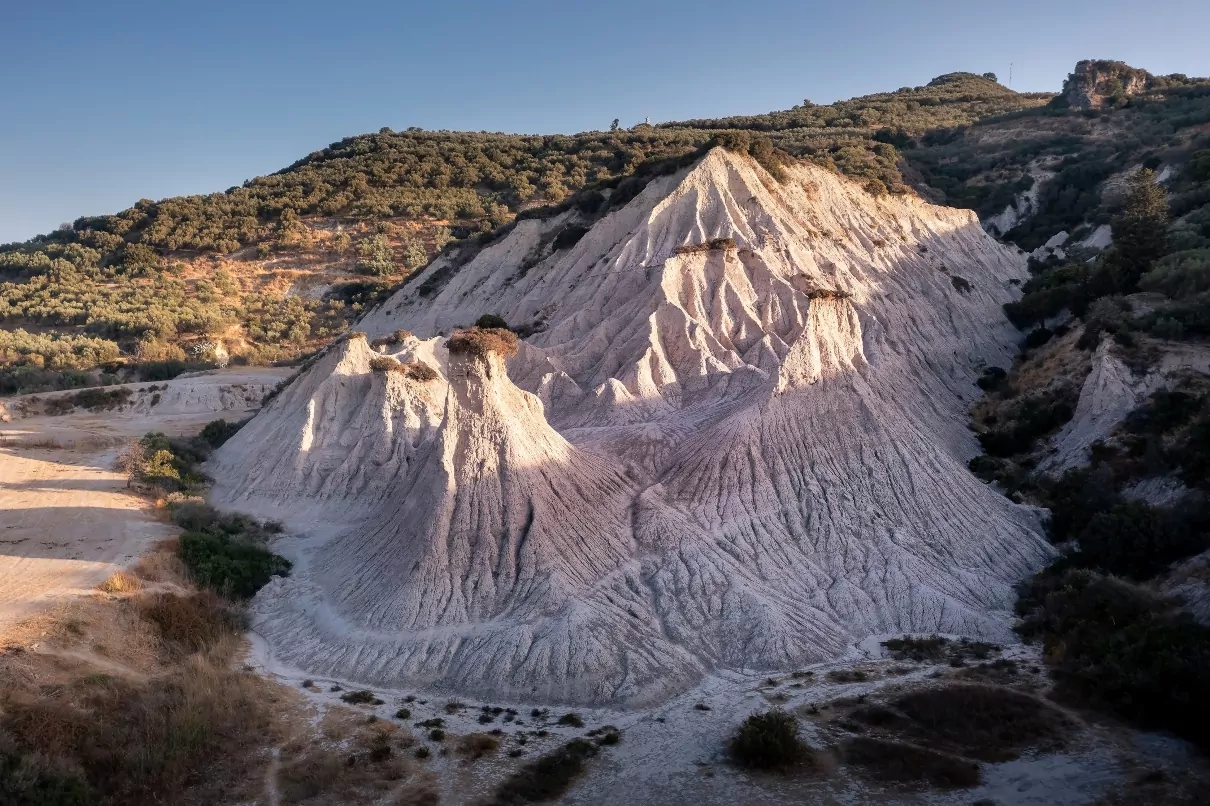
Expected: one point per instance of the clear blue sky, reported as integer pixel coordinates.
(104, 103)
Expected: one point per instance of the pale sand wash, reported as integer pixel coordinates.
(699, 464)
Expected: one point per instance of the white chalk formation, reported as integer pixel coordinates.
(744, 457)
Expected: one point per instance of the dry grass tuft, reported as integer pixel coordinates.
(412, 370)
(116, 726)
(121, 582)
(191, 623)
(162, 564)
(828, 293)
(418, 793)
(384, 363)
(419, 371)
(362, 771)
(481, 342)
(477, 745)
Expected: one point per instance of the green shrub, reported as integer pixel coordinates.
(1037, 337)
(217, 432)
(570, 236)
(546, 778)
(1122, 648)
(1136, 540)
(1076, 497)
(102, 399)
(769, 740)
(159, 467)
(491, 321)
(991, 378)
(1027, 419)
(377, 257)
(232, 566)
(1179, 275)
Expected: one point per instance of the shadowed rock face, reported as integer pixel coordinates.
(747, 456)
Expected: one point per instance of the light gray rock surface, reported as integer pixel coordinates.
(745, 458)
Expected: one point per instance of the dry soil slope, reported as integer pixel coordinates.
(742, 457)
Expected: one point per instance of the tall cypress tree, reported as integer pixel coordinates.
(1140, 231)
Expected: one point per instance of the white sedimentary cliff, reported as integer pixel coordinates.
(747, 456)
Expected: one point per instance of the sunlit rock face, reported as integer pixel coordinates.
(736, 437)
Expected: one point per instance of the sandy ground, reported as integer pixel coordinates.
(66, 520)
(675, 753)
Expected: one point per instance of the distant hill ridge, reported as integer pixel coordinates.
(279, 266)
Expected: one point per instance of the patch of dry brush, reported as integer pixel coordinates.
(481, 342)
(135, 699)
(712, 245)
(412, 370)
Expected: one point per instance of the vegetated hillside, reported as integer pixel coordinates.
(275, 268)
(860, 137)
(1104, 417)
(1053, 168)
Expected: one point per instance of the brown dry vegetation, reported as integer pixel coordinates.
(712, 245)
(481, 342)
(990, 723)
(354, 762)
(937, 735)
(384, 363)
(898, 761)
(121, 582)
(131, 700)
(137, 696)
(477, 745)
(412, 370)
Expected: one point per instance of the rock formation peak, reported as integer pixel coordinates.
(734, 438)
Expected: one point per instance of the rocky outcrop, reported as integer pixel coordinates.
(1096, 83)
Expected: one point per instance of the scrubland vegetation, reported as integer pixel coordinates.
(136, 696)
(156, 281)
(146, 708)
(984, 165)
(1113, 640)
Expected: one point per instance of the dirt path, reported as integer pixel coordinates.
(66, 520)
(65, 525)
